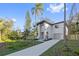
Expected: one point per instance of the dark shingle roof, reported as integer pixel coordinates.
(49, 22)
(45, 20)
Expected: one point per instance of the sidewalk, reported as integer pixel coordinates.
(35, 50)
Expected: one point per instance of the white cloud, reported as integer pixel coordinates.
(14, 19)
(55, 8)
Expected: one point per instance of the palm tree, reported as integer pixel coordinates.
(65, 24)
(37, 10)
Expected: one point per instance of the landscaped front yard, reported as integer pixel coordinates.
(59, 49)
(10, 47)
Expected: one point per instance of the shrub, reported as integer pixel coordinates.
(14, 35)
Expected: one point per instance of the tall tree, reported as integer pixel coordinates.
(27, 25)
(65, 37)
(77, 26)
(70, 22)
(37, 10)
(28, 21)
(1, 28)
(5, 28)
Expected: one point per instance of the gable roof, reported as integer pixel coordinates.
(49, 22)
(45, 20)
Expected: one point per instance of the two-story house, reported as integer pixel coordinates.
(50, 30)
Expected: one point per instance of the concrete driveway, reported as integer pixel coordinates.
(35, 50)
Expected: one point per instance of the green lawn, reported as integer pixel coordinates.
(59, 49)
(16, 46)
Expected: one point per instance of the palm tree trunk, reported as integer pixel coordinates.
(35, 25)
(35, 18)
(65, 39)
(64, 21)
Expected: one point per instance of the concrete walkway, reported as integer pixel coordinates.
(35, 50)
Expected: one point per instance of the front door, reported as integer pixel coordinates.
(42, 35)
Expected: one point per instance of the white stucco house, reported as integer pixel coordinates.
(50, 30)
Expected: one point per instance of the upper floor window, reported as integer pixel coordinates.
(56, 26)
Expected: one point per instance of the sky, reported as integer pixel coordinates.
(17, 12)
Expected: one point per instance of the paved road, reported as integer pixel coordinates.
(35, 50)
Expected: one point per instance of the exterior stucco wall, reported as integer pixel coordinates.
(48, 29)
(54, 33)
(38, 28)
(41, 29)
(59, 31)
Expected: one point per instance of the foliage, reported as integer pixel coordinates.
(15, 35)
(5, 28)
(26, 34)
(28, 21)
(6, 31)
(72, 28)
(16, 46)
(27, 28)
(38, 9)
(73, 25)
(34, 32)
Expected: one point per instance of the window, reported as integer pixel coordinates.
(56, 26)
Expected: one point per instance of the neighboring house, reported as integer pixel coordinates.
(50, 30)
